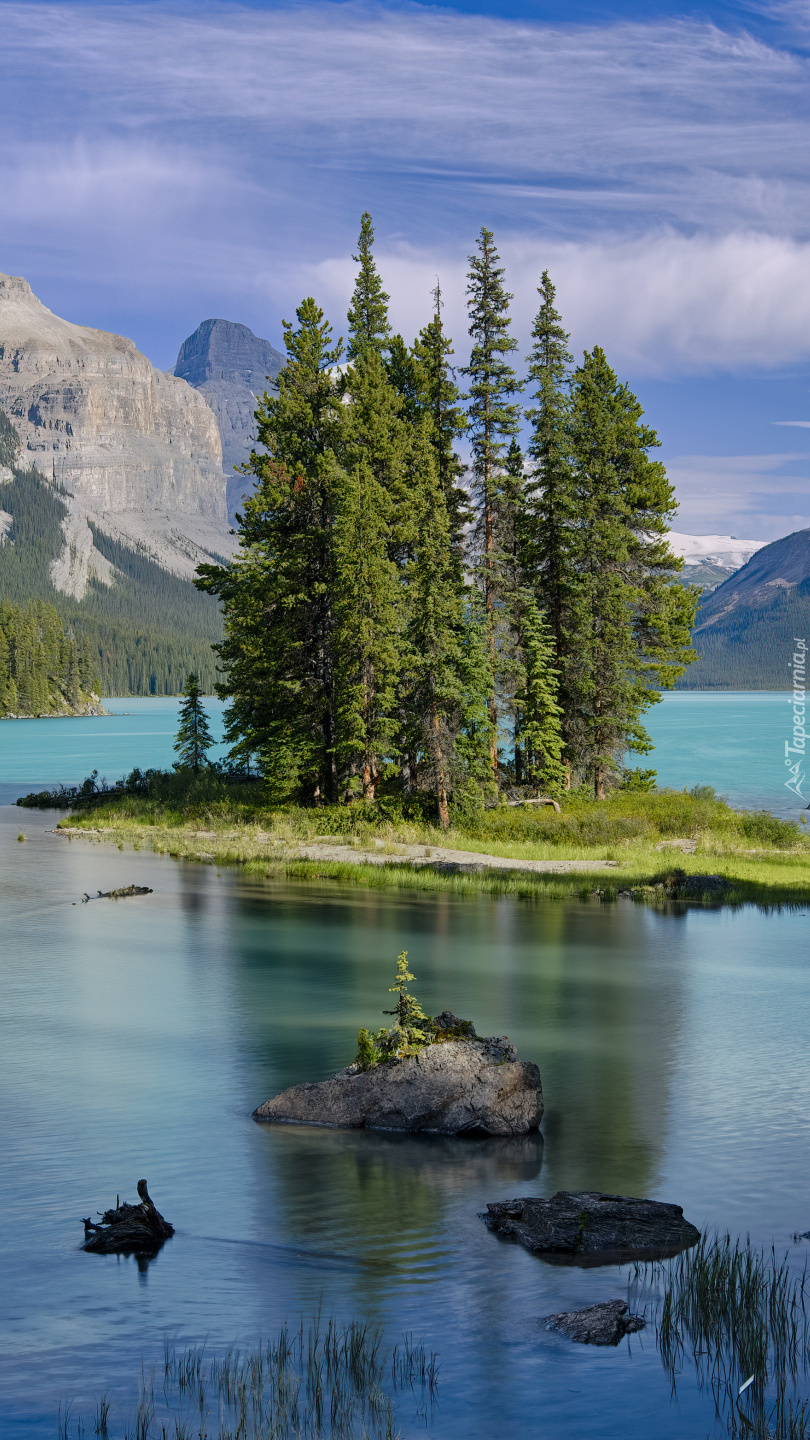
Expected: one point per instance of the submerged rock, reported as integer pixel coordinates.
(462, 1086)
(604, 1324)
(592, 1228)
(128, 1229)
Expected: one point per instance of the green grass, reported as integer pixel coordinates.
(763, 859)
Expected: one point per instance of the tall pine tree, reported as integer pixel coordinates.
(439, 402)
(278, 593)
(493, 419)
(368, 312)
(367, 631)
(630, 619)
(552, 504)
(435, 670)
(374, 535)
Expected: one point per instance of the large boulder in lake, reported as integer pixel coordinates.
(458, 1087)
(592, 1228)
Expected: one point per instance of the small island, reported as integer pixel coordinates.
(433, 1075)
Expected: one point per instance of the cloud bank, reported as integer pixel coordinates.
(219, 156)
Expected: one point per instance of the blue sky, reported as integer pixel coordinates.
(162, 163)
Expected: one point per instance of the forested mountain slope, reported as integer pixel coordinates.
(141, 628)
(746, 629)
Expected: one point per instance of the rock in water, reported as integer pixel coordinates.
(604, 1324)
(128, 1229)
(593, 1228)
(461, 1087)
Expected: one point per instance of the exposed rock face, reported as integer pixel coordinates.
(477, 1087)
(78, 559)
(593, 1228)
(231, 367)
(138, 450)
(604, 1324)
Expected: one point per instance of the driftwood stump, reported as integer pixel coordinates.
(120, 894)
(128, 1229)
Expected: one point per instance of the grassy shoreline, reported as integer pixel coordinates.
(631, 843)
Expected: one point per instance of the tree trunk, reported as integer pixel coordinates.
(369, 778)
(438, 760)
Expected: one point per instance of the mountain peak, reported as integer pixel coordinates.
(226, 350)
(15, 287)
(232, 368)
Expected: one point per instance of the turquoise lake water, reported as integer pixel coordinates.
(735, 742)
(137, 1037)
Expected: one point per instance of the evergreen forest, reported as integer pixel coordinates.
(751, 647)
(400, 623)
(142, 634)
(44, 670)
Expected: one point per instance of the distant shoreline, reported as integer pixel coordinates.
(95, 713)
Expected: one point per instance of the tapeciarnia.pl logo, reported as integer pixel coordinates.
(798, 748)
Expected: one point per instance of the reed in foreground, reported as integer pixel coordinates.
(323, 1381)
(736, 1312)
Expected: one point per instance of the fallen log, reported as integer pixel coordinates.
(120, 894)
(540, 800)
(128, 1229)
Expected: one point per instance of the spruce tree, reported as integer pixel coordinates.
(434, 667)
(377, 431)
(404, 374)
(630, 617)
(368, 312)
(278, 593)
(439, 397)
(194, 738)
(552, 502)
(538, 734)
(366, 606)
(493, 419)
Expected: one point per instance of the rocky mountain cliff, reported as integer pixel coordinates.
(137, 451)
(231, 367)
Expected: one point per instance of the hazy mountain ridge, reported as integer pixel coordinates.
(231, 367)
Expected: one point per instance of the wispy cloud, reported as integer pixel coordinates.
(750, 495)
(196, 155)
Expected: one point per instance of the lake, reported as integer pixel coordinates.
(735, 742)
(138, 1037)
